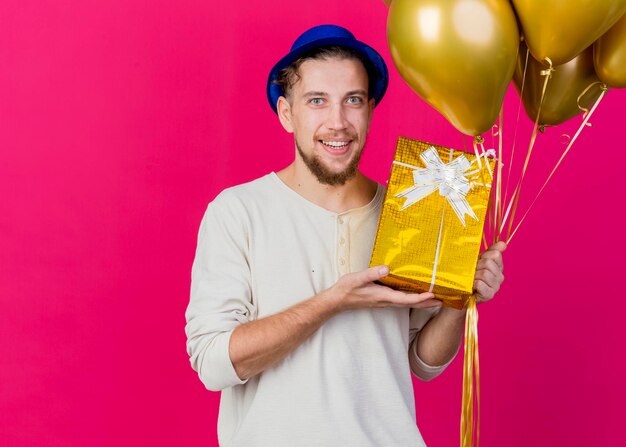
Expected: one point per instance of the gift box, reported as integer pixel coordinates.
(431, 226)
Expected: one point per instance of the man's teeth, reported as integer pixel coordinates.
(335, 143)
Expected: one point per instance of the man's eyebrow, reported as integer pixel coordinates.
(309, 94)
(357, 92)
(324, 94)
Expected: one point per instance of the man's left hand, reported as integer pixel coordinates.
(489, 275)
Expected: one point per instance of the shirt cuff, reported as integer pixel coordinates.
(425, 371)
(219, 372)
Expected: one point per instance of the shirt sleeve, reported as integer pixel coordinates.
(221, 297)
(418, 319)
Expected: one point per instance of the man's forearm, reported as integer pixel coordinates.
(257, 345)
(260, 344)
(440, 338)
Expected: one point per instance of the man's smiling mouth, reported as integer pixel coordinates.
(335, 144)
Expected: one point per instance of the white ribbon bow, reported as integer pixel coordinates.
(449, 178)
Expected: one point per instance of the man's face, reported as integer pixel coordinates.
(329, 114)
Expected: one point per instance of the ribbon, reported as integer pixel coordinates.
(470, 406)
(450, 179)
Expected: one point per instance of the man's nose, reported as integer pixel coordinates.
(336, 117)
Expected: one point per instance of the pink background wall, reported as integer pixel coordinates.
(120, 120)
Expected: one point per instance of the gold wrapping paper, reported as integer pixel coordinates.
(426, 245)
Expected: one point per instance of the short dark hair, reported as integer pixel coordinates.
(290, 75)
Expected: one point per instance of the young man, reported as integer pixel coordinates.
(285, 317)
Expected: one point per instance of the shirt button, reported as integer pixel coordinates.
(340, 220)
(342, 240)
(342, 261)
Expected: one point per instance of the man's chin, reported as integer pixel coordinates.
(327, 176)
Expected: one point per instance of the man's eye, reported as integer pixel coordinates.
(317, 101)
(355, 100)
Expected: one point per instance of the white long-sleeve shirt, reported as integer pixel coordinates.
(262, 248)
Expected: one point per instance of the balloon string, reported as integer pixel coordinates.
(567, 149)
(519, 109)
(494, 133)
(470, 425)
(584, 92)
(493, 209)
(487, 165)
(478, 142)
(498, 204)
(512, 206)
(516, 194)
(477, 139)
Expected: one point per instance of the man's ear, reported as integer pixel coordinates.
(284, 113)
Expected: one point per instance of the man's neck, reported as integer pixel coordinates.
(356, 192)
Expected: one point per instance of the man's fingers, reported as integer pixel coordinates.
(494, 255)
(499, 246)
(369, 275)
(491, 278)
(428, 303)
(482, 289)
(375, 273)
(364, 292)
(485, 291)
(419, 296)
(488, 265)
(399, 298)
(486, 275)
(485, 263)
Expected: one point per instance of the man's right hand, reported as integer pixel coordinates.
(358, 291)
(260, 344)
